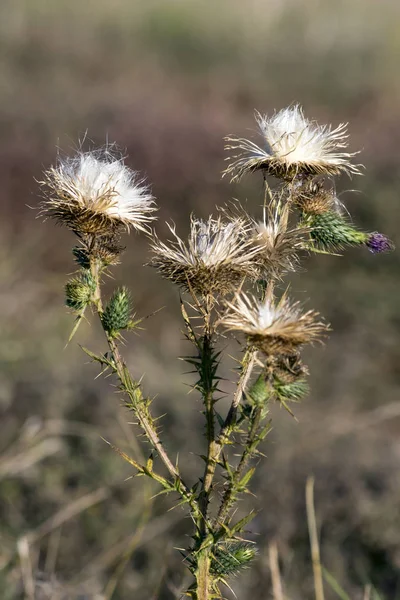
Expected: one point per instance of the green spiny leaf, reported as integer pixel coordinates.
(242, 485)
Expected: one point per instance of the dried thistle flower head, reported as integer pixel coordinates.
(216, 258)
(273, 328)
(292, 145)
(95, 192)
(278, 246)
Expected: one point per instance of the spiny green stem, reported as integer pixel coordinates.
(208, 399)
(216, 447)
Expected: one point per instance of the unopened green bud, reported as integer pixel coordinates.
(117, 313)
(331, 230)
(79, 291)
(231, 557)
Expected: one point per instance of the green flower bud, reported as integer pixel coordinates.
(79, 291)
(231, 557)
(117, 313)
(331, 230)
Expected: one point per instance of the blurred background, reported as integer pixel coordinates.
(166, 80)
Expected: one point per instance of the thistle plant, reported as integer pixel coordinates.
(230, 273)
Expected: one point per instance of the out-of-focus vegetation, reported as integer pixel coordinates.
(167, 80)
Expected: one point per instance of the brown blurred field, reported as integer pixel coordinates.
(167, 79)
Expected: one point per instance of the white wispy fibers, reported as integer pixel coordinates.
(278, 245)
(275, 328)
(95, 191)
(293, 145)
(217, 256)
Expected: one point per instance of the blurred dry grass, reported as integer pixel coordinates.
(167, 80)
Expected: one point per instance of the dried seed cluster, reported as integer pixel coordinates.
(274, 328)
(218, 255)
(95, 193)
(292, 146)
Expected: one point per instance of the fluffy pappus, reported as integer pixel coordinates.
(273, 328)
(293, 145)
(278, 245)
(216, 258)
(95, 192)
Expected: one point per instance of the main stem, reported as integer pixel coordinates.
(203, 579)
(230, 421)
(214, 449)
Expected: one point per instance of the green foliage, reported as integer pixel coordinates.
(117, 313)
(331, 230)
(230, 557)
(79, 291)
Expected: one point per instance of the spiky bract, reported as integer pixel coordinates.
(216, 258)
(95, 192)
(273, 328)
(293, 145)
(260, 391)
(117, 313)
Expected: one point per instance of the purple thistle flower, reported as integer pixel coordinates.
(377, 242)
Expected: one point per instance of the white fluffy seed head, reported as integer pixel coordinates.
(293, 145)
(95, 190)
(272, 327)
(216, 258)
